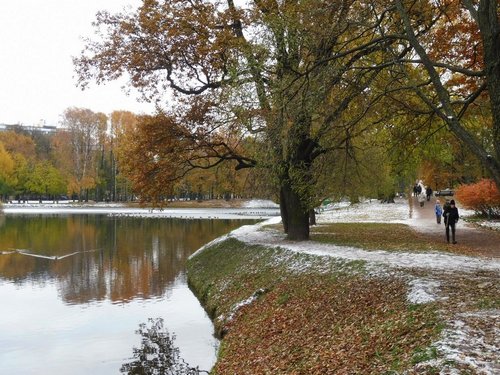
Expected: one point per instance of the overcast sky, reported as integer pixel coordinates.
(37, 80)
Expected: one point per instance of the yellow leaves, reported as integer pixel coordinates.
(6, 165)
(73, 186)
(88, 182)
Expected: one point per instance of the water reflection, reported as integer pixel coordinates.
(74, 288)
(158, 353)
(95, 257)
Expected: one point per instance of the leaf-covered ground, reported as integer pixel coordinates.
(282, 312)
(322, 325)
(315, 315)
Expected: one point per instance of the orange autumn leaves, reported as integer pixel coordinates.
(482, 197)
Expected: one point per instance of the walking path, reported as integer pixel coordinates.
(482, 241)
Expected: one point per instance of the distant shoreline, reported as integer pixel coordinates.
(193, 211)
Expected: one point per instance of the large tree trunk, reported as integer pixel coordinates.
(312, 217)
(295, 216)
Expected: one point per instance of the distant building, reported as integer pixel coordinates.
(46, 129)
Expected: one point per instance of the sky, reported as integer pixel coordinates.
(38, 39)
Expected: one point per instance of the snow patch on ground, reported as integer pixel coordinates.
(494, 225)
(464, 344)
(245, 302)
(241, 231)
(429, 260)
(335, 205)
(260, 203)
(422, 291)
(367, 211)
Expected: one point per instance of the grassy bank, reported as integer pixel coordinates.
(281, 312)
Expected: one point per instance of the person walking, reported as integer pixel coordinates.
(450, 214)
(438, 210)
(421, 198)
(428, 193)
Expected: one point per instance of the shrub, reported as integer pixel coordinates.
(483, 197)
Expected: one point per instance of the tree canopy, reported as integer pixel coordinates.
(288, 85)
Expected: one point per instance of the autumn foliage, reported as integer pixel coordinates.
(482, 197)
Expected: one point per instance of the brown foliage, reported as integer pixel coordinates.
(482, 197)
(163, 149)
(154, 151)
(322, 325)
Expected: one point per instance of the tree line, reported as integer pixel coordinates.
(87, 158)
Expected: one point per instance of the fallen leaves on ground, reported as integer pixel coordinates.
(325, 325)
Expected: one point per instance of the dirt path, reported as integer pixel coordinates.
(480, 241)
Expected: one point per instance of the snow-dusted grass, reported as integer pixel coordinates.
(430, 260)
(276, 302)
(422, 290)
(367, 211)
(465, 347)
(260, 203)
(494, 225)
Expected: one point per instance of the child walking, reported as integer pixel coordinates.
(438, 210)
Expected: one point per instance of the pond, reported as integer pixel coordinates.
(74, 289)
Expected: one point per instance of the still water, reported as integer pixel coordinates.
(76, 288)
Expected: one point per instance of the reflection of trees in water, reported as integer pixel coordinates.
(139, 257)
(157, 354)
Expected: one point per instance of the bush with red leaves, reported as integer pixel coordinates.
(483, 197)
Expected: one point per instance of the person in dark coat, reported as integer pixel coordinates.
(428, 193)
(450, 214)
